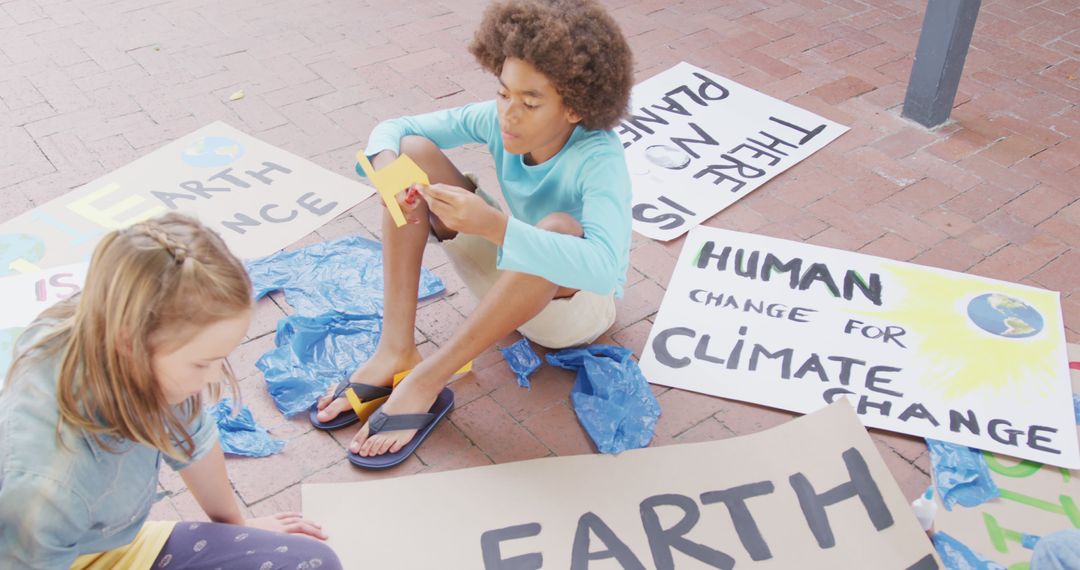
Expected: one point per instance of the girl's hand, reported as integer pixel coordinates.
(288, 523)
(465, 212)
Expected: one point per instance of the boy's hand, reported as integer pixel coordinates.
(409, 202)
(409, 198)
(465, 212)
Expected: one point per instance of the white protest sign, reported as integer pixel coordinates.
(918, 350)
(696, 142)
(812, 493)
(27, 295)
(258, 197)
(1036, 500)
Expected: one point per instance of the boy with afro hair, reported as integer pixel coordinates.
(551, 267)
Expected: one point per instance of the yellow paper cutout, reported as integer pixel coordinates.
(354, 400)
(363, 409)
(391, 179)
(463, 370)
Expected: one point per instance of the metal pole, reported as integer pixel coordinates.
(939, 60)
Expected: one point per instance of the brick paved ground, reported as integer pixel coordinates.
(86, 87)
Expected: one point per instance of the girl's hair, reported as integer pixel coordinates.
(575, 43)
(150, 288)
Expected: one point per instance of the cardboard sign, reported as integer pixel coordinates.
(1036, 499)
(258, 197)
(918, 350)
(696, 142)
(812, 493)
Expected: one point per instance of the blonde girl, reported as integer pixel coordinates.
(110, 382)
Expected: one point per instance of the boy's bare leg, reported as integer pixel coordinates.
(512, 301)
(403, 249)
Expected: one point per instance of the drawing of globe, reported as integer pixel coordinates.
(15, 247)
(1004, 316)
(212, 151)
(667, 156)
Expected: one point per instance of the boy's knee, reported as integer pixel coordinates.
(561, 222)
(417, 147)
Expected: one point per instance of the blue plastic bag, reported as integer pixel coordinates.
(342, 275)
(958, 556)
(240, 435)
(336, 289)
(315, 352)
(523, 361)
(961, 475)
(611, 398)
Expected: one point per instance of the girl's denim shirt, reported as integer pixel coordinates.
(61, 500)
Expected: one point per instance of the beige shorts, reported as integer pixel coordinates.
(565, 322)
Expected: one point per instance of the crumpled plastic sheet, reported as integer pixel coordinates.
(960, 474)
(336, 290)
(523, 361)
(957, 556)
(240, 435)
(611, 397)
(315, 352)
(342, 275)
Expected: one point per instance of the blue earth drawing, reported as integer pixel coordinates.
(212, 152)
(7, 347)
(1004, 316)
(13, 247)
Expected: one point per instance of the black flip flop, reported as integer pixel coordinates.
(371, 397)
(424, 423)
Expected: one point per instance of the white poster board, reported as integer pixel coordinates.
(696, 142)
(918, 350)
(258, 197)
(812, 493)
(27, 295)
(1035, 500)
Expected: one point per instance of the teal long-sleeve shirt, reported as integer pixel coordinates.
(586, 179)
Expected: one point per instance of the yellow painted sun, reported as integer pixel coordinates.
(974, 334)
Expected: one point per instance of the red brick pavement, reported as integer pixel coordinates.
(87, 87)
